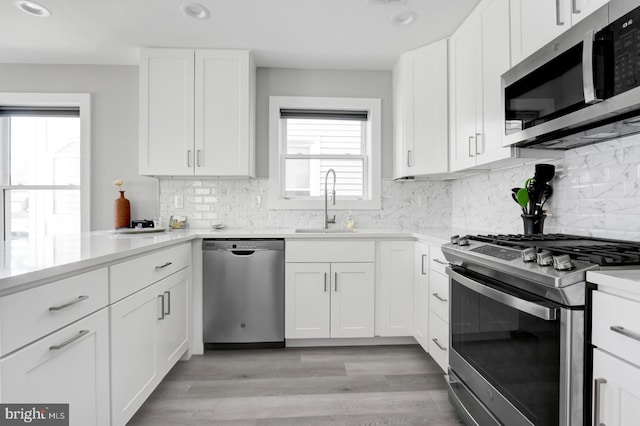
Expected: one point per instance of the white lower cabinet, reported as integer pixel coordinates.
(149, 333)
(329, 300)
(439, 340)
(438, 308)
(70, 366)
(615, 391)
(394, 307)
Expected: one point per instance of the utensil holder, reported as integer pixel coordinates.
(533, 224)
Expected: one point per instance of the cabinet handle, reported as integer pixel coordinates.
(161, 297)
(198, 158)
(438, 344)
(164, 266)
(66, 305)
(437, 296)
(409, 158)
(442, 262)
(575, 7)
(168, 294)
(628, 333)
(559, 21)
(424, 257)
(479, 137)
(596, 401)
(188, 158)
(335, 281)
(470, 152)
(69, 341)
(325, 282)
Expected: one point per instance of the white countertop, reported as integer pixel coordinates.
(626, 281)
(29, 263)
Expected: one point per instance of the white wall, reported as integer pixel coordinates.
(596, 193)
(114, 145)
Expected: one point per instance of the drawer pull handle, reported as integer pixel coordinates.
(66, 305)
(442, 262)
(164, 266)
(442, 348)
(325, 282)
(437, 296)
(596, 401)
(162, 314)
(335, 282)
(68, 342)
(628, 333)
(168, 294)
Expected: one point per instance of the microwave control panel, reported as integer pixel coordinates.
(626, 50)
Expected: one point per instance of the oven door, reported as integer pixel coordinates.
(514, 351)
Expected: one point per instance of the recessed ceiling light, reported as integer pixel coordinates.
(195, 10)
(33, 8)
(404, 18)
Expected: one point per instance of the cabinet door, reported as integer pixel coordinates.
(134, 356)
(421, 305)
(535, 23)
(307, 300)
(466, 95)
(395, 316)
(427, 120)
(496, 60)
(439, 341)
(223, 129)
(618, 396)
(173, 329)
(352, 299)
(74, 373)
(166, 112)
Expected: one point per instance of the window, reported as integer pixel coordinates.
(310, 136)
(44, 179)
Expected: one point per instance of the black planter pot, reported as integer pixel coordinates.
(533, 224)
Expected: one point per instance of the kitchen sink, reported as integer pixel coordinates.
(323, 231)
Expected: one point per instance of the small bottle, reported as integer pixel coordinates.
(349, 222)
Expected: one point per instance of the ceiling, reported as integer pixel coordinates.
(323, 34)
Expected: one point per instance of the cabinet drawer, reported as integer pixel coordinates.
(31, 314)
(437, 261)
(70, 366)
(616, 326)
(330, 251)
(439, 295)
(135, 274)
(439, 341)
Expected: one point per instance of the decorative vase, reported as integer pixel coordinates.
(533, 224)
(121, 212)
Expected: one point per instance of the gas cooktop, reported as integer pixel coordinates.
(601, 251)
(550, 265)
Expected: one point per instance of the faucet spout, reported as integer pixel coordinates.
(328, 220)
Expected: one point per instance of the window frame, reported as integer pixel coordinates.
(79, 100)
(372, 167)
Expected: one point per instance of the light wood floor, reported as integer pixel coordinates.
(373, 385)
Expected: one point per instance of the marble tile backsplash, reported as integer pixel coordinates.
(596, 193)
(243, 203)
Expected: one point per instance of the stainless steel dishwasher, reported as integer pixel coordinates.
(243, 293)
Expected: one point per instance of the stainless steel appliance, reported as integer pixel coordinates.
(517, 325)
(243, 292)
(582, 88)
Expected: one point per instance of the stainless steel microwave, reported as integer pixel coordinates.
(582, 88)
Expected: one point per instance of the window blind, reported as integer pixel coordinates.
(323, 114)
(39, 111)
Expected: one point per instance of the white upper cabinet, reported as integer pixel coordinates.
(420, 111)
(197, 113)
(535, 23)
(479, 55)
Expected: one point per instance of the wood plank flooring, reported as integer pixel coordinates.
(372, 385)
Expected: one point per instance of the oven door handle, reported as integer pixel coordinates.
(539, 311)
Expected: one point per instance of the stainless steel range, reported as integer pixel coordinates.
(517, 325)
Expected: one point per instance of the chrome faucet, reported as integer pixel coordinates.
(327, 221)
